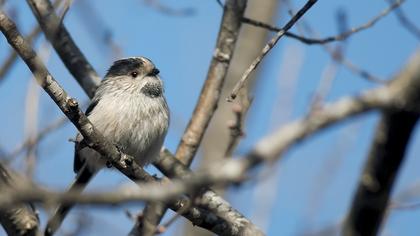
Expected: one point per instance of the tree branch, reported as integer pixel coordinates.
(204, 110)
(94, 139)
(386, 155)
(385, 158)
(268, 47)
(19, 219)
(208, 199)
(405, 22)
(11, 58)
(210, 93)
(339, 37)
(62, 42)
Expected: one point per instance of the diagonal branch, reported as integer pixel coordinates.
(405, 21)
(86, 70)
(209, 96)
(97, 141)
(386, 155)
(396, 95)
(208, 199)
(268, 47)
(210, 93)
(62, 42)
(11, 58)
(339, 37)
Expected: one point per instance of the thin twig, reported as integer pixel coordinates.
(32, 109)
(394, 96)
(173, 168)
(339, 37)
(197, 217)
(172, 220)
(124, 163)
(404, 206)
(66, 7)
(28, 143)
(268, 47)
(168, 10)
(340, 58)
(31, 124)
(330, 72)
(99, 30)
(71, 55)
(355, 69)
(405, 22)
(236, 127)
(11, 58)
(210, 93)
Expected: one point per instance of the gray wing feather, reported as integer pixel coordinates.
(80, 144)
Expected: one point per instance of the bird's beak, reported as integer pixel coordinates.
(154, 72)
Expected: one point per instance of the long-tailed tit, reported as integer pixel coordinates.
(130, 110)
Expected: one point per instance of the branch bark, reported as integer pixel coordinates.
(386, 155)
(268, 47)
(208, 199)
(233, 11)
(122, 162)
(11, 58)
(330, 39)
(210, 93)
(19, 219)
(64, 45)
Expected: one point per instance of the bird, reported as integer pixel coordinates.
(129, 108)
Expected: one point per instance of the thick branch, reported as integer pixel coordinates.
(386, 155)
(375, 185)
(274, 145)
(210, 93)
(20, 219)
(209, 96)
(94, 139)
(11, 58)
(62, 42)
(173, 168)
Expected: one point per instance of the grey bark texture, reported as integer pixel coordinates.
(386, 154)
(64, 45)
(95, 140)
(205, 108)
(20, 219)
(217, 137)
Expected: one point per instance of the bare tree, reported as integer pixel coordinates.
(245, 40)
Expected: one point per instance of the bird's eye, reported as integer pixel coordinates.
(134, 74)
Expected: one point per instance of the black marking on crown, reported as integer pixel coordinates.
(124, 66)
(152, 90)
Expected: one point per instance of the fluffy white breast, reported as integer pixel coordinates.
(136, 123)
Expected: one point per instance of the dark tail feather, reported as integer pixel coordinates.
(80, 183)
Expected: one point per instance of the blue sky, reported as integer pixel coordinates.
(312, 185)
